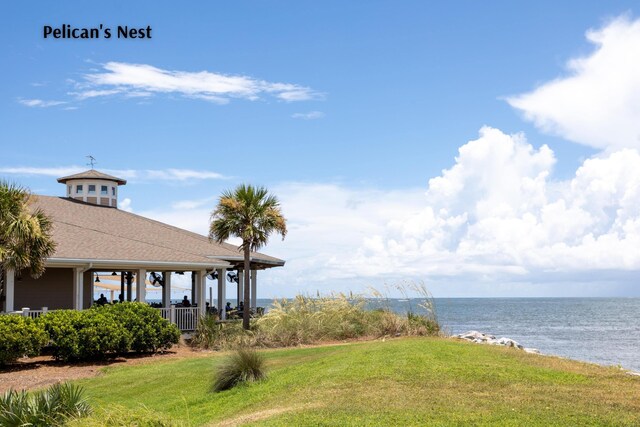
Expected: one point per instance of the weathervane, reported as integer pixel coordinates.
(92, 161)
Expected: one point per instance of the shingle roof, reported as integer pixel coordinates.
(92, 174)
(86, 231)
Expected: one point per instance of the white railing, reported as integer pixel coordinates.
(185, 318)
(27, 312)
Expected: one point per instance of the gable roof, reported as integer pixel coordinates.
(85, 231)
(92, 174)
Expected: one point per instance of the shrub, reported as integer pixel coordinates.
(85, 334)
(109, 329)
(20, 336)
(150, 332)
(211, 334)
(51, 407)
(244, 365)
(62, 327)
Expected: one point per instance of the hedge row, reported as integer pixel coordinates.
(89, 334)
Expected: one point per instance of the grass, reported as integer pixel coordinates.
(244, 365)
(410, 381)
(309, 320)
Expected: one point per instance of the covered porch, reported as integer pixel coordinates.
(73, 285)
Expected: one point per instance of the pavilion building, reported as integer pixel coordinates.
(92, 235)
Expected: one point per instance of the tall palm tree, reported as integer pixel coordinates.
(25, 235)
(251, 214)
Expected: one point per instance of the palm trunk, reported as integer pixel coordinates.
(246, 313)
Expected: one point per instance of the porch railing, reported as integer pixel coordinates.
(185, 318)
(27, 312)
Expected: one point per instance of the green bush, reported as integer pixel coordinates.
(20, 336)
(107, 330)
(51, 407)
(150, 332)
(244, 365)
(87, 334)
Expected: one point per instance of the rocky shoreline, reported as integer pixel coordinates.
(482, 338)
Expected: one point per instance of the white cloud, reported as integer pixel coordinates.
(493, 220)
(55, 172)
(118, 78)
(125, 205)
(182, 174)
(598, 102)
(171, 174)
(40, 103)
(312, 115)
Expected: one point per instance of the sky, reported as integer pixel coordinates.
(487, 149)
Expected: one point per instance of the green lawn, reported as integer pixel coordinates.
(410, 381)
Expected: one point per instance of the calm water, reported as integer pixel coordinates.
(599, 330)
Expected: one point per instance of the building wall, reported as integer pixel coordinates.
(54, 289)
(97, 198)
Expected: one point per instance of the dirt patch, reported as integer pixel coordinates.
(263, 415)
(39, 372)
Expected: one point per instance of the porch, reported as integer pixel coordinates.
(75, 288)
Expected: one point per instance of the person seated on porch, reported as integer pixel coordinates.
(228, 307)
(120, 298)
(240, 306)
(185, 302)
(102, 300)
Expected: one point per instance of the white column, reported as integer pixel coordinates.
(9, 293)
(240, 286)
(222, 292)
(166, 290)
(141, 285)
(254, 286)
(78, 285)
(202, 292)
(92, 290)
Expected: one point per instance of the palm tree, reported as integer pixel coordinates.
(25, 236)
(251, 214)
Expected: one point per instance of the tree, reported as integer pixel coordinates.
(25, 235)
(251, 214)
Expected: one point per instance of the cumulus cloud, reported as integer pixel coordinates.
(597, 103)
(125, 205)
(143, 80)
(312, 115)
(495, 216)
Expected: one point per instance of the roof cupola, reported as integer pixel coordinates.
(93, 187)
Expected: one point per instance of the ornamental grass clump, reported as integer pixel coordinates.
(337, 317)
(305, 320)
(51, 407)
(213, 335)
(244, 365)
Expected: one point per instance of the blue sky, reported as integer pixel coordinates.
(346, 110)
